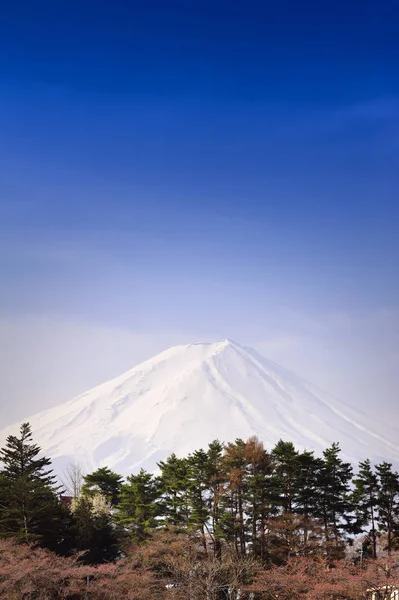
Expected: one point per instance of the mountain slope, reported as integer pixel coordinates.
(189, 395)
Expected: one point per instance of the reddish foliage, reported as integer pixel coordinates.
(195, 572)
(28, 572)
(307, 578)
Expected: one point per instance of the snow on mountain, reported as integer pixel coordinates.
(189, 395)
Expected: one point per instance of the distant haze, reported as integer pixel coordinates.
(191, 394)
(44, 362)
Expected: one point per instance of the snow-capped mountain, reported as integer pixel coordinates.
(189, 395)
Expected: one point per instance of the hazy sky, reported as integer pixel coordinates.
(187, 171)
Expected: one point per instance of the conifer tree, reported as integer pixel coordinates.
(216, 491)
(233, 502)
(365, 499)
(175, 491)
(105, 481)
(285, 474)
(335, 503)
(388, 501)
(285, 492)
(260, 494)
(199, 495)
(307, 492)
(139, 505)
(29, 505)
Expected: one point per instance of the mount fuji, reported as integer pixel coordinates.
(185, 397)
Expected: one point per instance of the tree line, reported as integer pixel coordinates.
(270, 505)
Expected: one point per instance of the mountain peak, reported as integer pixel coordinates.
(226, 342)
(202, 350)
(187, 396)
(222, 343)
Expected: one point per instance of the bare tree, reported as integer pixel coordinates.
(192, 573)
(72, 479)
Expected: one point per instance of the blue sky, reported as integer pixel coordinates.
(180, 170)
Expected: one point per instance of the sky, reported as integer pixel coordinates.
(178, 171)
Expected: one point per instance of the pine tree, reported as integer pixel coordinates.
(29, 505)
(259, 494)
(105, 481)
(285, 492)
(307, 493)
(216, 492)
(175, 491)
(285, 474)
(233, 503)
(365, 499)
(139, 505)
(388, 501)
(335, 502)
(199, 482)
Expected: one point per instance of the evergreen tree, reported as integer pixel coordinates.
(233, 501)
(259, 494)
(139, 505)
(29, 505)
(175, 491)
(285, 485)
(285, 475)
(216, 492)
(336, 507)
(307, 493)
(105, 482)
(199, 495)
(388, 501)
(365, 500)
